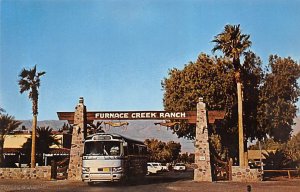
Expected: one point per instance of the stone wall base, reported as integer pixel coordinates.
(245, 174)
(41, 172)
(202, 175)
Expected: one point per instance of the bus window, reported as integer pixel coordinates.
(104, 148)
(143, 150)
(115, 150)
(136, 149)
(125, 148)
(130, 149)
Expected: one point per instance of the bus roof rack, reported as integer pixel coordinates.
(114, 136)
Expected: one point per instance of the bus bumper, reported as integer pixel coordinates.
(90, 177)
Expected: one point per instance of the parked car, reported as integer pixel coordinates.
(154, 168)
(179, 167)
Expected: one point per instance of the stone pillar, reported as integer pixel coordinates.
(202, 152)
(75, 164)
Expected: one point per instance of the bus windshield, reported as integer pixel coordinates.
(102, 148)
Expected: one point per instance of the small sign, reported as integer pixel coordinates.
(140, 115)
(202, 158)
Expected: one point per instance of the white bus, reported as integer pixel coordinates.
(112, 157)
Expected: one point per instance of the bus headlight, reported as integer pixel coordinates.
(85, 169)
(117, 169)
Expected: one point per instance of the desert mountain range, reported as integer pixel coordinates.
(140, 130)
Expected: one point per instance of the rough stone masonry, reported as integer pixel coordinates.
(75, 164)
(202, 152)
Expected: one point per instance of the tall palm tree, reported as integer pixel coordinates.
(233, 44)
(30, 81)
(7, 124)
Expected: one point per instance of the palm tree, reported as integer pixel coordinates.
(30, 81)
(7, 124)
(94, 128)
(44, 140)
(233, 44)
(66, 129)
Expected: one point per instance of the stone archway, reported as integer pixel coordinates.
(201, 118)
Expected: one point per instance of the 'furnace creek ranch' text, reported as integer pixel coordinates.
(140, 115)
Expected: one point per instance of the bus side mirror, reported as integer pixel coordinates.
(125, 144)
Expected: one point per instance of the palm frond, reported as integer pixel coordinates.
(24, 85)
(31, 74)
(37, 82)
(231, 42)
(24, 73)
(8, 124)
(41, 73)
(33, 70)
(2, 110)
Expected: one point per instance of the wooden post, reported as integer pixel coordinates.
(19, 158)
(240, 125)
(230, 170)
(246, 160)
(53, 170)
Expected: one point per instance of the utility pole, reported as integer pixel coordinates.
(240, 125)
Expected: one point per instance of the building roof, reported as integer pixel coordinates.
(55, 151)
(17, 140)
(255, 154)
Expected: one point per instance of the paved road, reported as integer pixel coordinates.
(179, 181)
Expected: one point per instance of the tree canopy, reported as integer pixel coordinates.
(162, 152)
(292, 149)
(232, 43)
(287, 154)
(269, 96)
(208, 77)
(278, 96)
(30, 81)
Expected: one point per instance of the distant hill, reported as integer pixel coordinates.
(54, 124)
(139, 130)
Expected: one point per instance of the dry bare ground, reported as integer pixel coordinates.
(290, 185)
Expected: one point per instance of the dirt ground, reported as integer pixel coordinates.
(288, 185)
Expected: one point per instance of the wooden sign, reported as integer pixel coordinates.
(213, 115)
(190, 116)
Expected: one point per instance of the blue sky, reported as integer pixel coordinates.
(116, 53)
